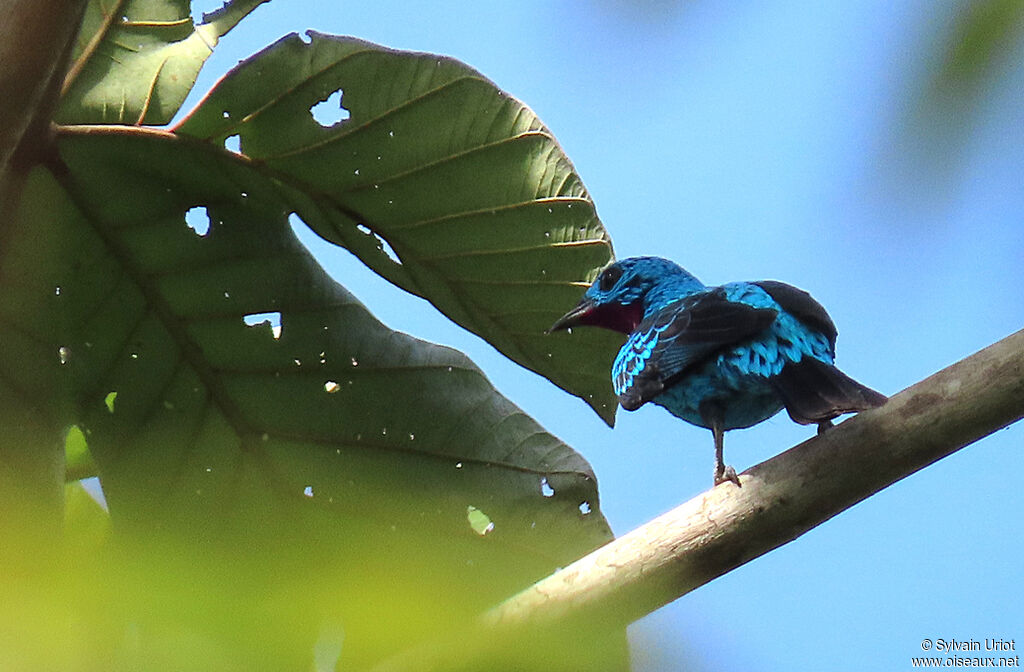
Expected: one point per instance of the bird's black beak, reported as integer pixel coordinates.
(574, 317)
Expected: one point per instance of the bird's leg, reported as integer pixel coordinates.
(823, 425)
(723, 472)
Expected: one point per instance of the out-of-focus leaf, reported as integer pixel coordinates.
(336, 442)
(137, 60)
(970, 59)
(484, 212)
(984, 33)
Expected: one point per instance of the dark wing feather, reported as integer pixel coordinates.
(673, 339)
(802, 306)
(814, 391)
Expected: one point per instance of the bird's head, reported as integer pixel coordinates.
(622, 293)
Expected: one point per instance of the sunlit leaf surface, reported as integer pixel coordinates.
(483, 212)
(135, 61)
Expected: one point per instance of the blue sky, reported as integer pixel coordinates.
(753, 141)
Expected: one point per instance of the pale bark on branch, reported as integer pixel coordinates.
(779, 500)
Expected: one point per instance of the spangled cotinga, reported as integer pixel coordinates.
(719, 357)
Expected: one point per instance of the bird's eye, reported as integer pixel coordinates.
(608, 278)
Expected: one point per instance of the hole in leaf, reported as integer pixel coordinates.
(233, 143)
(329, 111)
(299, 227)
(382, 244)
(273, 319)
(330, 387)
(75, 440)
(584, 508)
(64, 353)
(308, 491)
(198, 220)
(546, 489)
(93, 486)
(479, 521)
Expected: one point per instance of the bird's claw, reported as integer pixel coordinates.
(726, 473)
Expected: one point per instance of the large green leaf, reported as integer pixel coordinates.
(484, 212)
(159, 315)
(334, 433)
(136, 60)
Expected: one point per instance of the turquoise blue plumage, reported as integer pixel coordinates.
(718, 357)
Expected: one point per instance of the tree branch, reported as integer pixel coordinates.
(38, 36)
(779, 500)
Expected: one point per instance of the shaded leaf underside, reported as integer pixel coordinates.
(337, 425)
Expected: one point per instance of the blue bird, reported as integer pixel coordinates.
(723, 357)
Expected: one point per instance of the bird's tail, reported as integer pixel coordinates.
(815, 392)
